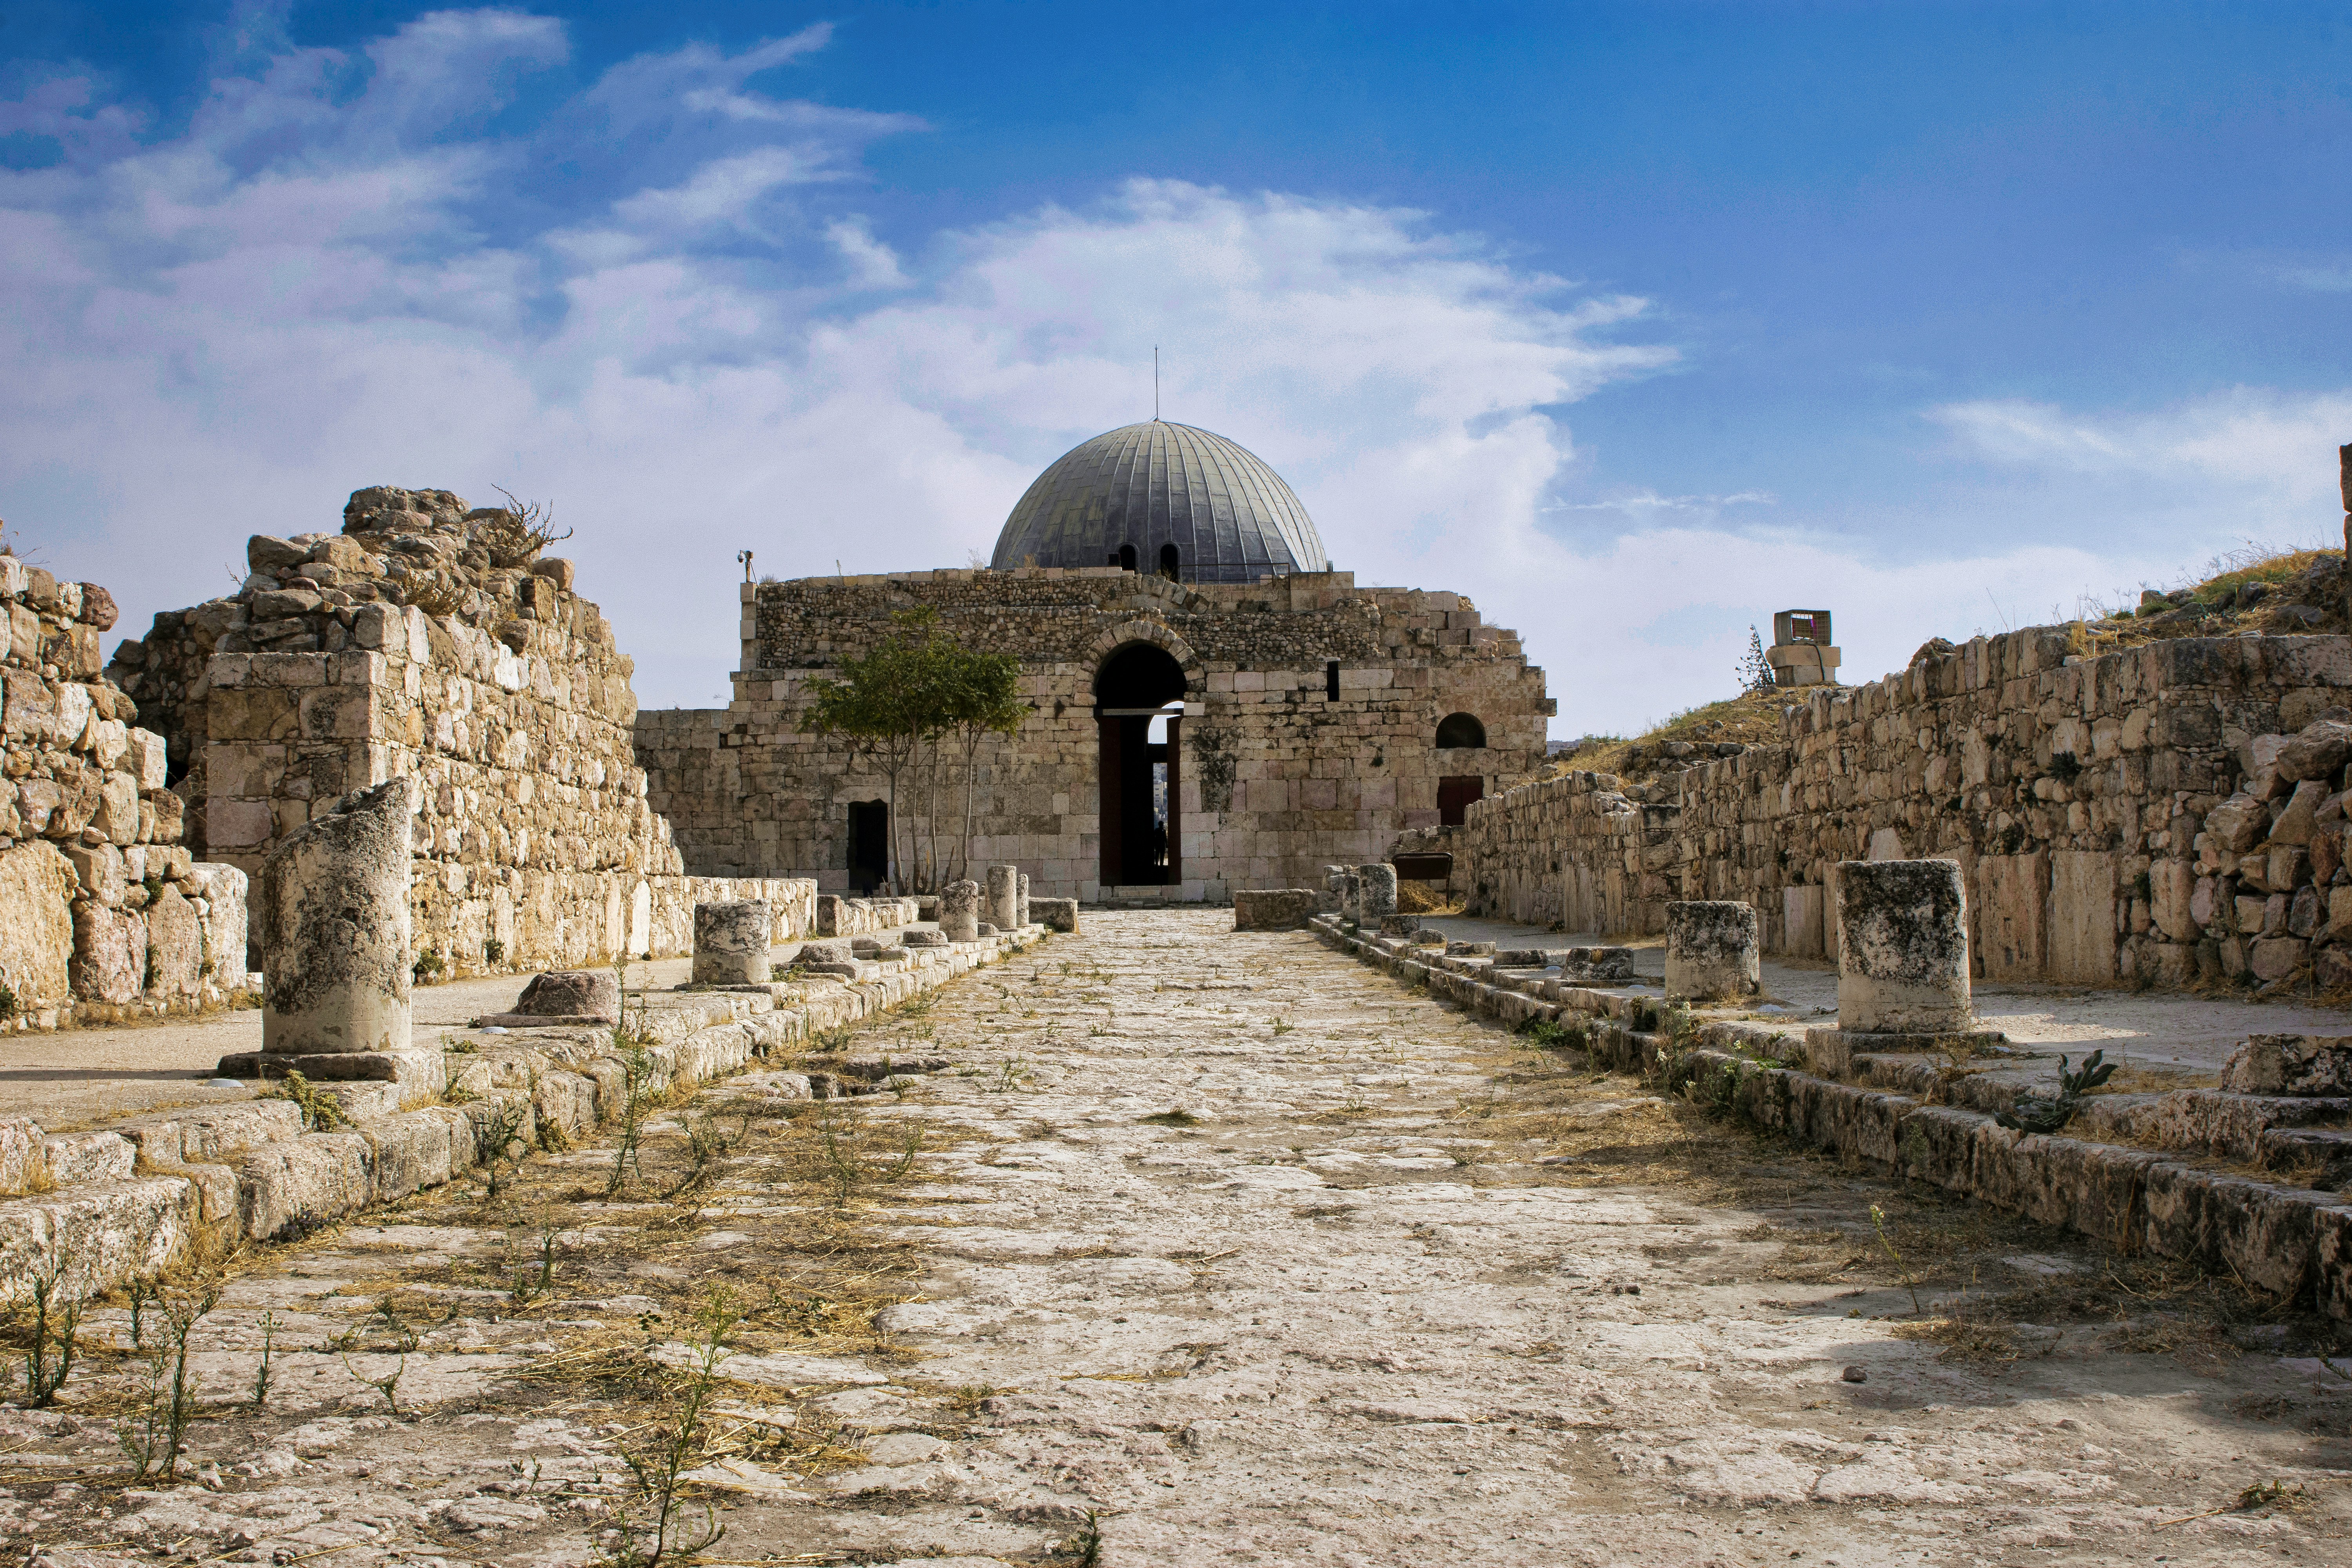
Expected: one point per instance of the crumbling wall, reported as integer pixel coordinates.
(103, 912)
(2075, 792)
(1278, 776)
(428, 639)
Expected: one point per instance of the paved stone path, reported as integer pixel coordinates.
(1217, 1249)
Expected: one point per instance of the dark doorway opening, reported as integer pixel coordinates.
(1455, 794)
(1126, 562)
(869, 845)
(1143, 788)
(1168, 560)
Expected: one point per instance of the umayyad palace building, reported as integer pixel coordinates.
(1211, 706)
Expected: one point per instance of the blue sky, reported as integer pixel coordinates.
(1635, 322)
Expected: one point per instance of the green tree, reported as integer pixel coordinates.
(889, 704)
(984, 700)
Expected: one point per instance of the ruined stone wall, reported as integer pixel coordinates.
(103, 911)
(1277, 777)
(2074, 791)
(426, 640)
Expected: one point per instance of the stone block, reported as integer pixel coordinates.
(2275, 958)
(36, 925)
(1056, 914)
(2012, 891)
(93, 1236)
(73, 1158)
(1274, 909)
(2290, 1065)
(572, 993)
(730, 942)
(1903, 945)
(999, 906)
(99, 867)
(1713, 951)
(1804, 913)
(959, 911)
(2173, 888)
(1376, 886)
(335, 929)
(305, 1182)
(175, 946)
(109, 961)
(222, 889)
(1595, 966)
(2333, 1260)
(2081, 930)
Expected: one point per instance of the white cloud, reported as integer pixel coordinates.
(2251, 441)
(337, 277)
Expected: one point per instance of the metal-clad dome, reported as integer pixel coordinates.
(1230, 518)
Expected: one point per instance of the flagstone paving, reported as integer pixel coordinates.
(1206, 1248)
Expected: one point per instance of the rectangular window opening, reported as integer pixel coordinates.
(1331, 680)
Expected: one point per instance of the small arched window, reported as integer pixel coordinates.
(1168, 561)
(1127, 557)
(1458, 731)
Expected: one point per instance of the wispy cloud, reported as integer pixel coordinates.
(1649, 506)
(2249, 439)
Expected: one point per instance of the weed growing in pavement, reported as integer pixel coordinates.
(1084, 1549)
(268, 1323)
(404, 1339)
(1179, 1117)
(49, 1329)
(139, 1291)
(500, 1133)
(637, 1070)
(529, 1287)
(707, 1144)
(674, 1446)
(972, 1397)
(1011, 1074)
(1283, 1025)
(154, 1433)
(1878, 1221)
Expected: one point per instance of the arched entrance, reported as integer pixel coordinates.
(1140, 688)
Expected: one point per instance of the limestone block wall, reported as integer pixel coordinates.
(2074, 792)
(561, 863)
(426, 640)
(103, 911)
(1277, 775)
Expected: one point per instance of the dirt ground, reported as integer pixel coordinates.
(1205, 1249)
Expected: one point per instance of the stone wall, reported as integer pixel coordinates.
(428, 641)
(1277, 776)
(103, 911)
(2074, 791)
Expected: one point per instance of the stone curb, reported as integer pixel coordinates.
(149, 1185)
(2293, 1242)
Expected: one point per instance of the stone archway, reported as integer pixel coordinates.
(1139, 682)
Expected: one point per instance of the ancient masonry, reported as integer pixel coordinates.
(104, 912)
(2144, 816)
(429, 640)
(1310, 727)
(2154, 1171)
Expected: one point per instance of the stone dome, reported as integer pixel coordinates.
(1157, 487)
